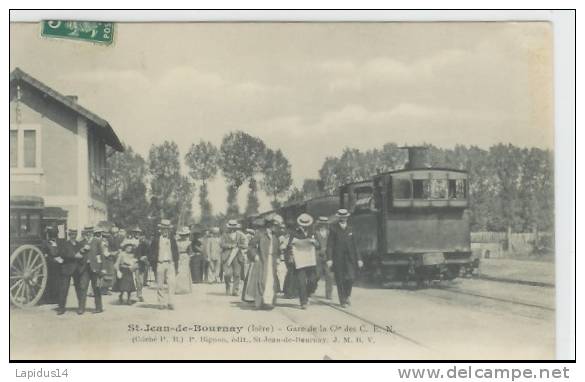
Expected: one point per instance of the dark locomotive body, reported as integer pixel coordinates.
(412, 223)
(409, 224)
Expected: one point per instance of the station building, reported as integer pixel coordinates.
(58, 150)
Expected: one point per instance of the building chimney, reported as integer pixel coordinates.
(417, 157)
(72, 98)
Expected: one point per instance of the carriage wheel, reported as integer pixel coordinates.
(28, 276)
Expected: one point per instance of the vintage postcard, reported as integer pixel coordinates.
(306, 190)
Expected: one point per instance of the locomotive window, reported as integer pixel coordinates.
(421, 189)
(438, 188)
(401, 188)
(457, 189)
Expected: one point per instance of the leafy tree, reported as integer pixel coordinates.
(509, 187)
(312, 188)
(126, 189)
(242, 157)
(252, 205)
(203, 163)
(277, 175)
(172, 191)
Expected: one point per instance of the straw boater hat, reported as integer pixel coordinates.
(215, 229)
(87, 229)
(323, 220)
(250, 231)
(98, 230)
(342, 213)
(184, 231)
(72, 230)
(233, 224)
(305, 220)
(129, 242)
(165, 223)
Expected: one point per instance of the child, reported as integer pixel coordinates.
(125, 266)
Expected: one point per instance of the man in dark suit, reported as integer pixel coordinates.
(91, 267)
(164, 259)
(343, 257)
(69, 255)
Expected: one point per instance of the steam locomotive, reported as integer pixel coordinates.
(408, 224)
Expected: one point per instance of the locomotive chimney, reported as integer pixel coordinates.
(417, 157)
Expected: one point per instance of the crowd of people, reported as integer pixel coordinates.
(263, 265)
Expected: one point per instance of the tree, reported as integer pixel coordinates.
(126, 189)
(252, 204)
(203, 163)
(312, 188)
(277, 175)
(242, 157)
(172, 191)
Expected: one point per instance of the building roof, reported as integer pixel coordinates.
(102, 126)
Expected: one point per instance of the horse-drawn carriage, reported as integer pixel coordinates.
(34, 232)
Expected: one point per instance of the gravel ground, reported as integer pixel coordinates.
(450, 322)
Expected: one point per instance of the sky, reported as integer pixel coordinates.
(309, 89)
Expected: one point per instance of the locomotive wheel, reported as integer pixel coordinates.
(28, 276)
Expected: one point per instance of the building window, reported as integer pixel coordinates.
(24, 147)
(30, 148)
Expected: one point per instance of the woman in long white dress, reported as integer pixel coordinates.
(183, 279)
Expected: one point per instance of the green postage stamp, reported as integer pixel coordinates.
(93, 31)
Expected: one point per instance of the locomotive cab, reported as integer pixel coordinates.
(424, 223)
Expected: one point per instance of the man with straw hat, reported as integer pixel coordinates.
(301, 250)
(343, 257)
(164, 259)
(233, 243)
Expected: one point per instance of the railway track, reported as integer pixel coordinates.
(495, 298)
(368, 321)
